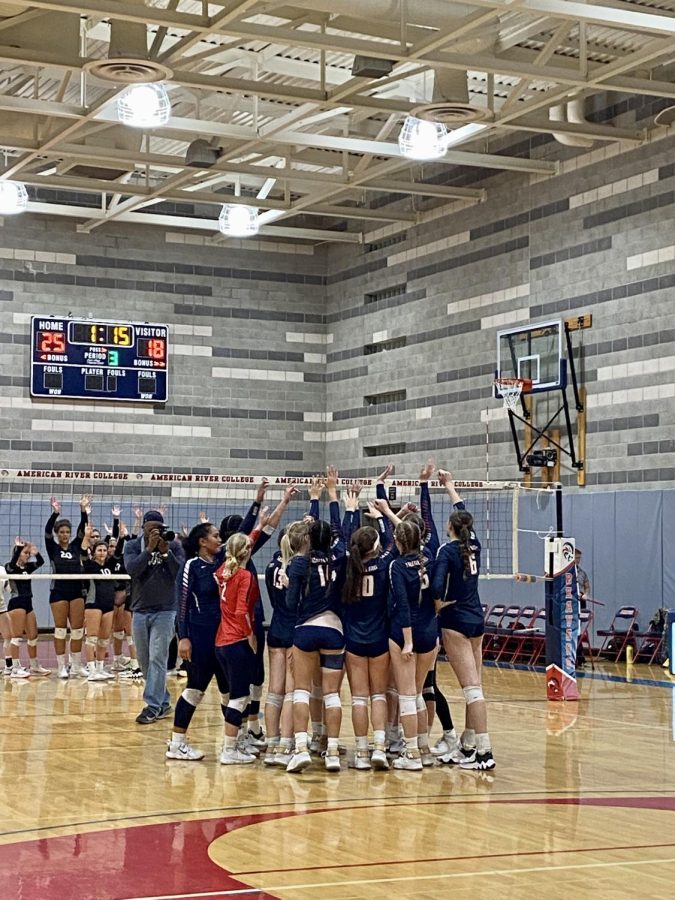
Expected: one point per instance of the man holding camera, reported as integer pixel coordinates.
(153, 567)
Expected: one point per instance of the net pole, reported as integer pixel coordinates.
(515, 505)
(558, 510)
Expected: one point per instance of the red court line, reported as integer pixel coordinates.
(431, 859)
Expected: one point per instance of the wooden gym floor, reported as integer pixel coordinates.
(582, 802)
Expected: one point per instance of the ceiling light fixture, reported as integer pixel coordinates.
(237, 220)
(13, 198)
(144, 106)
(423, 140)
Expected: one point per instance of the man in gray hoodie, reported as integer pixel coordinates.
(153, 567)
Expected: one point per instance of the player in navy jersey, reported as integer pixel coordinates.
(197, 623)
(66, 598)
(318, 632)
(99, 605)
(412, 640)
(455, 589)
(25, 560)
(366, 625)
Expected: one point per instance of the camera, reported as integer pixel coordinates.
(167, 534)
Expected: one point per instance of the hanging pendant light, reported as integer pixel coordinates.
(144, 106)
(237, 220)
(423, 140)
(13, 198)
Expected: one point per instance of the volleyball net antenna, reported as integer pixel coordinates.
(510, 520)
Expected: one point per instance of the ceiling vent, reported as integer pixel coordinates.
(450, 102)
(127, 61)
(371, 67)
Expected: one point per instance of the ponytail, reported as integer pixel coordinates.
(363, 542)
(409, 536)
(461, 523)
(236, 552)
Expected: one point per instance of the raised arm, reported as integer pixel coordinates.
(380, 490)
(448, 483)
(85, 511)
(249, 520)
(433, 541)
(268, 524)
(352, 517)
(334, 507)
(51, 521)
(316, 487)
(384, 528)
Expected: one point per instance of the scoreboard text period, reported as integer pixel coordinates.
(94, 360)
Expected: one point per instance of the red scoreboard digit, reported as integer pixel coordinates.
(52, 341)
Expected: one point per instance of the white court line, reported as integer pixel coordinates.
(586, 717)
(346, 883)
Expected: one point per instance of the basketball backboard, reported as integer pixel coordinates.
(534, 352)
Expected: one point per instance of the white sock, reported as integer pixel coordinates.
(34, 663)
(230, 743)
(301, 741)
(483, 744)
(332, 749)
(177, 738)
(99, 665)
(91, 666)
(378, 738)
(469, 738)
(411, 743)
(16, 663)
(286, 744)
(76, 658)
(61, 660)
(116, 659)
(273, 742)
(423, 742)
(450, 737)
(361, 743)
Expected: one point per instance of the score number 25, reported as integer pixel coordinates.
(52, 342)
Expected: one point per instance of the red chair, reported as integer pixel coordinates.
(527, 634)
(649, 647)
(620, 633)
(494, 634)
(538, 637)
(513, 639)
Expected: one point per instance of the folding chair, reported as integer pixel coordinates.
(649, 646)
(525, 630)
(620, 633)
(512, 640)
(538, 637)
(494, 633)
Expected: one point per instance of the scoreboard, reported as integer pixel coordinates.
(99, 360)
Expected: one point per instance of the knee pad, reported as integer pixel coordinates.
(91, 641)
(473, 694)
(76, 634)
(16, 642)
(288, 697)
(332, 701)
(60, 634)
(317, 693)
(332, 661)
(420, 705)
(103, 643)
(32, 642)
(256, 692)
(407, 705)
(375, 697)
(356, 701)
(224, 699)
(118, 635)
(301, 697)
(193, 696)
(233, 716)
(428, 692)
(276, 700)
(239, 703)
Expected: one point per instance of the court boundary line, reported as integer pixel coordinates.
(592, 676)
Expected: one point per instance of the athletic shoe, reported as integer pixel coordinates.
(397, 746)
(332, 763)
(40, 670)
(7, 670)
(235, 758)
(120, 664)
(97, 676)
(257, 740)
(458, 756)
(480, 761)
(147, 716)
(63, 672)
(299, 761)
(106, 674)
(428, 759)
(361, 760)
(20, 673)
(79, 671)
(246, 745)
(378, 759)
(315, 744)
(409, 759)
(181, 673)
(277, 758)
(129, 674)
(183, 751)
(165, 711)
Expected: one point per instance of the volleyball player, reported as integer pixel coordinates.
(318, 632)
(412, 640)
(236, 641)
(197, 625)
(365, 597)
(25, 560)
(5, 626)
(66, 597)
(455, 589)
(279, 702)
(99, 606)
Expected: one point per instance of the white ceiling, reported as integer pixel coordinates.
(269, 85)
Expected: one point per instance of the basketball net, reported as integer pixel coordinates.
(510, 390)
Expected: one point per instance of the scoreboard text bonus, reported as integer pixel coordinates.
(93, 360)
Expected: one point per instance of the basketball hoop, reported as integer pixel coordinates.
(510, 390)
